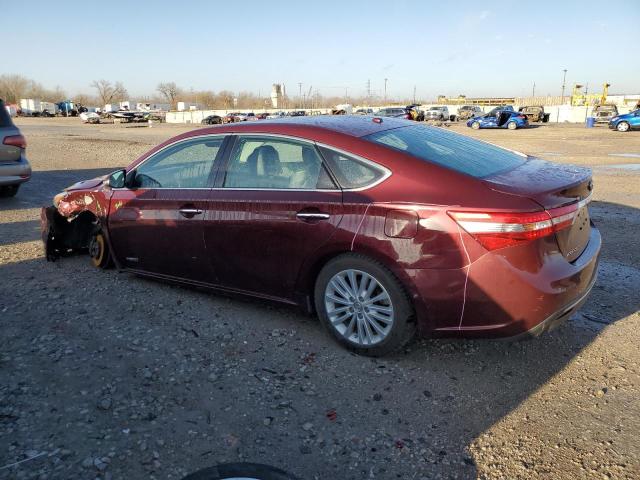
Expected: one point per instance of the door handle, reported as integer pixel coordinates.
(190, 212)
(312, 216)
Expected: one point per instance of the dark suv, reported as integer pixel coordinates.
(14, 167)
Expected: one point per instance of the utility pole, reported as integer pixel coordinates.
(346, 94)
(564, 78)
(385, 90)
(300, 94)
(533, 91)
(368, 91)
(414, 94)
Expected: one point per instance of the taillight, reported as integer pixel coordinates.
(495, 230)
(15, 141)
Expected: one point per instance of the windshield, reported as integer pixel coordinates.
(451, 150)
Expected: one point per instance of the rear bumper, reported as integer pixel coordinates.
(505, 295)
(557, 318)
(14, 173)
(511, 297)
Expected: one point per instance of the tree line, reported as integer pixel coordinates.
(13, 87)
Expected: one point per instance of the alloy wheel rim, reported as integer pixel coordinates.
(623, 127)
(96, 249)
(359, 307)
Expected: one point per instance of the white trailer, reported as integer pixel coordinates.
(29, 105)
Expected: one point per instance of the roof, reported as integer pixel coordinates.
(353, 125)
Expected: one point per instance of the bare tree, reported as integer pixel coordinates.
(170, 91)
(84, 99)
(225, 99)
(13, 87)
(108, 93)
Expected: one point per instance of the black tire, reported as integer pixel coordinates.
(403, 328)
(9, 191)
(623, 127)
(99, 250)
(240, 470)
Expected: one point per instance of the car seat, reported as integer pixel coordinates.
(306, 177)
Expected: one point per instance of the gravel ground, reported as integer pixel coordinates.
(106, 375)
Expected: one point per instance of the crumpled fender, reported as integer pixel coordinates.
(90, 196)
(74, 216)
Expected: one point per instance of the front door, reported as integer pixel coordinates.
(155, 224)
(273, 206)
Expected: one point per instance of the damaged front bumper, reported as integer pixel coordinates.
(61, 235)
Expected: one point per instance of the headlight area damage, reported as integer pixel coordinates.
(75, 218)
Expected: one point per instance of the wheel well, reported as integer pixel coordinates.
(314, 271)
(76, 233)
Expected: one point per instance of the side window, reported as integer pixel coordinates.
(350, 172)
(272, 163)
(185, 165)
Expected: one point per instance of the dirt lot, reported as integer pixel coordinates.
(106, 375)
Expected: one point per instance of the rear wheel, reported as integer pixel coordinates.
(475, 125)
(512, 125)
(99, 250)
(364, 306)
(623, 127)
(9, 191)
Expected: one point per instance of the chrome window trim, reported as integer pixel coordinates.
(386, 172)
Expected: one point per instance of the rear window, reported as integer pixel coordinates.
(5, 119)
(448, 149)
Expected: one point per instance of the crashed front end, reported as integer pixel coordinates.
(76, 213)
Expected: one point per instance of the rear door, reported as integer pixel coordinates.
(274, 205)
(155, 224)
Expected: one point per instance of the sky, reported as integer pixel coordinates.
(335, 47)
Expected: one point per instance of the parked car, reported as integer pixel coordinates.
(394, 112)
(212, 120)
(604, 113)
(381, 226)
(468, 111)
(501, 108)
(262, 116)
(439, 112)
(499, 119)
(363, 111)
(14, 166)
(234, 117)
(534, 113)
(626, 122)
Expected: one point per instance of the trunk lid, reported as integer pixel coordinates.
(552, 186)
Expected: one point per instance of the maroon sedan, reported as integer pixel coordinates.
(382, 226)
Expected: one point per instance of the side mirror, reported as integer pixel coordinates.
(117, 179)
